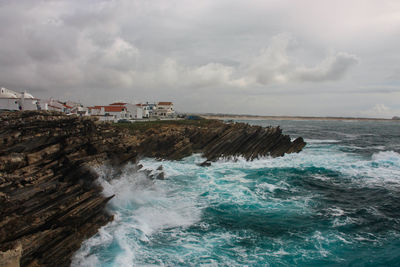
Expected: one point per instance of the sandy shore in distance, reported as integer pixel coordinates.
(299, 118)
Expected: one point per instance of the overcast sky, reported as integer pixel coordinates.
(267, 57)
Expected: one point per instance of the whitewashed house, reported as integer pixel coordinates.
(147, 109)
(116, 111)
(11, 100)
(132, 111)
(165, 110)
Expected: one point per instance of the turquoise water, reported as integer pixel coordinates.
(335, 203)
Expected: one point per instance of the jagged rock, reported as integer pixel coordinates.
(216, 140)
(159, 176)
(49, 200)
(205, 164)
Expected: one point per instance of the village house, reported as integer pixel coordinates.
(132, 111)
(116, 111)
(165, 110)
(11, 100)
(148, 109)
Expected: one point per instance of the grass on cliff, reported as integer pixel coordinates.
(145, 125)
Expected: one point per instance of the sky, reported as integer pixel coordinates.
(265, 57)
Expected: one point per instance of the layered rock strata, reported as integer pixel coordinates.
(216, 140)
(49, 200)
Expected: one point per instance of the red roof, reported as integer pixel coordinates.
(95, 107)
(113, 109)
(118, 104)
(109, 108)
(165, 103)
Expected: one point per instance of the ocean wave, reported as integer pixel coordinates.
(141, 207)
(383, 166)
(319, 141)
(390, 157)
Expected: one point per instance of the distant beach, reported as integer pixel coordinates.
(297, 118)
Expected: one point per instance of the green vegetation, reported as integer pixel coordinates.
(145, 125)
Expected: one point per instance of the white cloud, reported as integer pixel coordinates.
(274, 65)
(380, 111)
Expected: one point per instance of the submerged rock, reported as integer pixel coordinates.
(205, 164)
(49, 199)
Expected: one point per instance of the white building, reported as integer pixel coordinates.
(116, 111)
(147, 109)
(132, 111)
(11, 100)
(165, 109)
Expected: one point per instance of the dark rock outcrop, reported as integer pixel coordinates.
(216, 140)
(49, 199)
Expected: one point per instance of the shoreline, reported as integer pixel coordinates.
(47, 175)
(288, 118)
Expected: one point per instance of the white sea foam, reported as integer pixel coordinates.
(83, 257)
(321, 141)
(387, 157)
(383, 168)
(141, 207)
(336, 211)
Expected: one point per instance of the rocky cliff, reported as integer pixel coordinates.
(49, 199)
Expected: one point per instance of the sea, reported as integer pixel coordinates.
(336, 203)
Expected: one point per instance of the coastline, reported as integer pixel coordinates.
(50, 201)
(281, 118)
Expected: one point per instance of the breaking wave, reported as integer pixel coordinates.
(327, 205)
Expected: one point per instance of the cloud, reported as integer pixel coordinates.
(274, 65)
(331, 69)
(381, 111)
(97, 50)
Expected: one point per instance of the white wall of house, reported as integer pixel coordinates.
(29, 104)
(165, 110)
(133, 111)
(11, 100)
(139, 113)
(18, 104)
(9, 103)
(145, 111)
